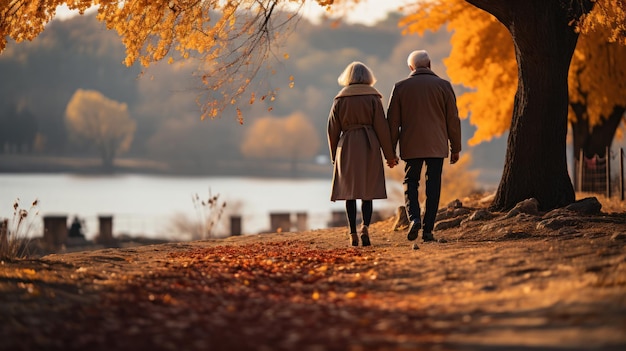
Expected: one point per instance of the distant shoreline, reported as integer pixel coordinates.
(16, 163)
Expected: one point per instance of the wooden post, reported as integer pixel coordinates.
(4, 236)
(105, 235)
(55, 231)
(608, 172)
(280, 222)
(302, 219)
(235, 225)
(581, 162)
(621, 174)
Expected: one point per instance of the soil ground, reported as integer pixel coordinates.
(499, 284)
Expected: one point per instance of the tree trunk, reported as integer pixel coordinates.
(107, 153)
(536, 160)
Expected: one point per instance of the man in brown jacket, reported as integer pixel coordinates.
(423, 116)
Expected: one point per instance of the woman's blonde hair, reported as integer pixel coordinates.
(356, 73)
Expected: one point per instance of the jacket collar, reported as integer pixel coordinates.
(422, 70)
(358, 89)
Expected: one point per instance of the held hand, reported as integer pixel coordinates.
(454, 157)
(392, 162)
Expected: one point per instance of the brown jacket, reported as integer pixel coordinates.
(423, 116)
(357, 130)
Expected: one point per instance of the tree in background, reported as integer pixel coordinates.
(94, 118)
(293, 138)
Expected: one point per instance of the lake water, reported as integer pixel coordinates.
(148, 205)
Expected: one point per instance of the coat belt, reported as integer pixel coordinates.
(369, 131)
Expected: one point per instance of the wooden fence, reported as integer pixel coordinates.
(593, 174)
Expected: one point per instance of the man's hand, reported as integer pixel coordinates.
(454, 157)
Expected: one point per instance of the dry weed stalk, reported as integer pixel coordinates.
(210, 212)
(14, 234)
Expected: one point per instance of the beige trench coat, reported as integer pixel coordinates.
(357, 130)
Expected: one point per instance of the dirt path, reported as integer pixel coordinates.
(500, 284)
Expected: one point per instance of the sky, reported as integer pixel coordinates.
(366, 12)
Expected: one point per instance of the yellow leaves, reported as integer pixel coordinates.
(291, 82)
(431, 15)
(608, 17)
(597, 79)
(239, 116)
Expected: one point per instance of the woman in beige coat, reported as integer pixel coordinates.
(357, 130)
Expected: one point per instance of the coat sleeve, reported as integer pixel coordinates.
(453, 122)
(393, 119)
(333, 130)
(382, 129)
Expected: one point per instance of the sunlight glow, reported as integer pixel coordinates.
(367, 12)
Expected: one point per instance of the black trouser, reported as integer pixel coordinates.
(366, 213)
(412, 172)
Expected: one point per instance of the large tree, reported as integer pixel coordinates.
(544, 36)
(483, 59)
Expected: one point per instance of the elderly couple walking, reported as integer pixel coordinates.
(422, 116)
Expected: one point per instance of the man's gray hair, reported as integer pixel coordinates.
(418, 58)
(356, 73)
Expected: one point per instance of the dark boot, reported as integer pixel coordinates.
(414, 229)
(354, 239)
(428, 237)
(365, 238)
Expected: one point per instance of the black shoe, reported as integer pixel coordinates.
(428, 237)
(354, 239)
(414, 228)
(365, 238)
